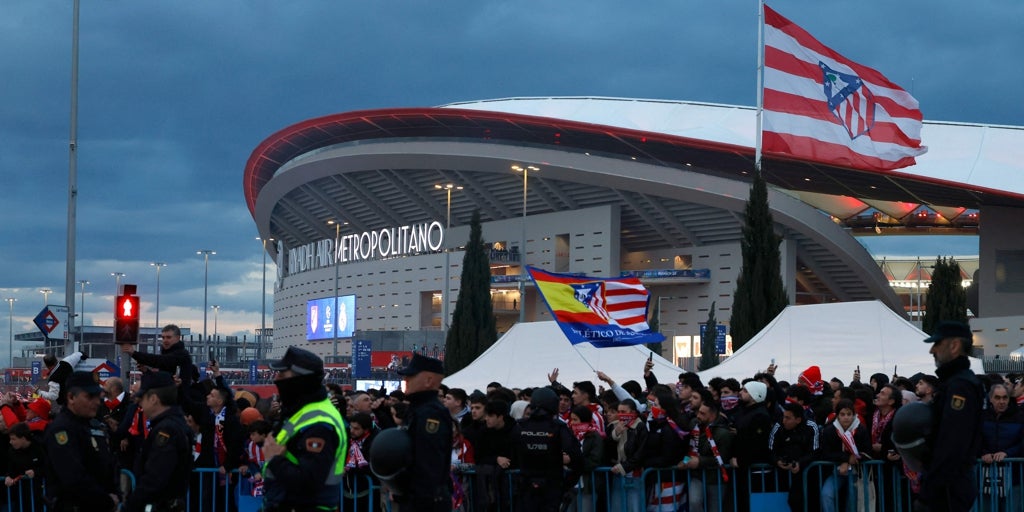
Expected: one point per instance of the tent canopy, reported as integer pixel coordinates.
(525, 355)
(838, 338)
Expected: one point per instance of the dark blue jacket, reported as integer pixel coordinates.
(1003, 433)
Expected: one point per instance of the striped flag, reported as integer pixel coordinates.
(605, 312)
(823, 107)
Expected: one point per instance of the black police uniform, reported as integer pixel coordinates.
(542, 439)
(165, 465)
(81, 473)
(949, 482)
(428, 481)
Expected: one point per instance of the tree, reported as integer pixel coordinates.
(474, 326)
(946, 298)
(708, 352)
(760, 294)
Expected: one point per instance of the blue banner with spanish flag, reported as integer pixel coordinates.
(605, 312)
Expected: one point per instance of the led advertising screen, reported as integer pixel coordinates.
(330, 317)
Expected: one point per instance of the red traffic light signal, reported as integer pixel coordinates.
(126, 319)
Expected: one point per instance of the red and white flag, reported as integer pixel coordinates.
(821, 106)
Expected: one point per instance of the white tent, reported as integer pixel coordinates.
(525, 355)
(837, 338)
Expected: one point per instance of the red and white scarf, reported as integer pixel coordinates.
(695, 448)
(846, 436)
(878, 424)
(355, 454)
(580, 430)
(255, 453)
(598, 414)
(658, 413)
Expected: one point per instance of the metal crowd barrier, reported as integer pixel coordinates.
(873, 486)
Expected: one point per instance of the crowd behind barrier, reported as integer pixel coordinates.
(655, 490)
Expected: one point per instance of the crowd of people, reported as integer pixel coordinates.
(589, 445)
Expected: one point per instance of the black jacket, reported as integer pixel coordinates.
(163, 471)
(80, 469)
(956, 436)
(753, 425)
(797, 445)
(169, 360)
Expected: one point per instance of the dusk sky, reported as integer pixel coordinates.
(174, 96)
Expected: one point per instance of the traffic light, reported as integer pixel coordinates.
(126, 319)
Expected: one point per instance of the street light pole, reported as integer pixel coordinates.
(117, 290)
(263, 311)
(158, 265)
(206, 281)
(216, 311)
(10, 332)
(447, 187)
(46, 296)
(522, 249)
(337, 240)
(81, 322)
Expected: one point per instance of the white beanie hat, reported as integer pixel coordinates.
(757, 390)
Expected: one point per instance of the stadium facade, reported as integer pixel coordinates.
(358, 207)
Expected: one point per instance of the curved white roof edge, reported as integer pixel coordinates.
(989, 156)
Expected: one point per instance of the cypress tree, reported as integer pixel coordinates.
(760, 294)
(946, 298)
(708, 354)
(474, 326)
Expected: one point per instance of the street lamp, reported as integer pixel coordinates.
(158, 265)
(337, 240)
(447, 187)
(263, 312)
(216, 311)
(206, 253)
(46, 296)
(117, 290)
(81, 323)
(10, 333)
(522, 256)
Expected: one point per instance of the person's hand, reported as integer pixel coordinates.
(565, 459)
(844, 468)
(782, 465)
(648, 366)
(503, 462)
(553, 376)
(771, 369)
(604, 377)
(257, 477)
(618, 470)
(124, 445)
(693, 463)
(856, 375)
(127, 348)
(732, 462)
(221, 470)
(794, 468)
(9, 481)
(892, 456)
(214, 368)
(998, 456)
(876, 447)
(243, 469)
(271, 449)
(115, 498)
(30, 473)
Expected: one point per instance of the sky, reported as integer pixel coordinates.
(174, 96)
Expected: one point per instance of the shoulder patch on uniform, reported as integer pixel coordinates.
(957, 402)
(432, 426)
(315, 444)
(61, 437)
(162, 438)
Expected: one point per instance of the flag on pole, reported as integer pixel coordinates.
(823, 107)
(605, 312)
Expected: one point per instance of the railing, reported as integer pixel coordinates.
(872, 485)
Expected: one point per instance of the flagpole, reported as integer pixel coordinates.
(583, 358)
(760, 84)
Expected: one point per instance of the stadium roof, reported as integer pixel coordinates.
(678, 172)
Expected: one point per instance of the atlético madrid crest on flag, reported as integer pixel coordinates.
(849, 100)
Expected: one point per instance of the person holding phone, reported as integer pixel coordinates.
(173, 358)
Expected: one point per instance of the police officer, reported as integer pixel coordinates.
(81, 473)
(306, 457)
(544, 445)
(165, 462)
(949, 483)
(427, 484)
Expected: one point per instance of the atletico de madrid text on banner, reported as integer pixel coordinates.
(605, 312)
(823, 107)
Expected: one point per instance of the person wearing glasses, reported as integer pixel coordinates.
(173, 358)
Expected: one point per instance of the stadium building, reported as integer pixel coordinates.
(373, 206)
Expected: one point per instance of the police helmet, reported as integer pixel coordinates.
(391, 453)
(544, 399)
(910, 430)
